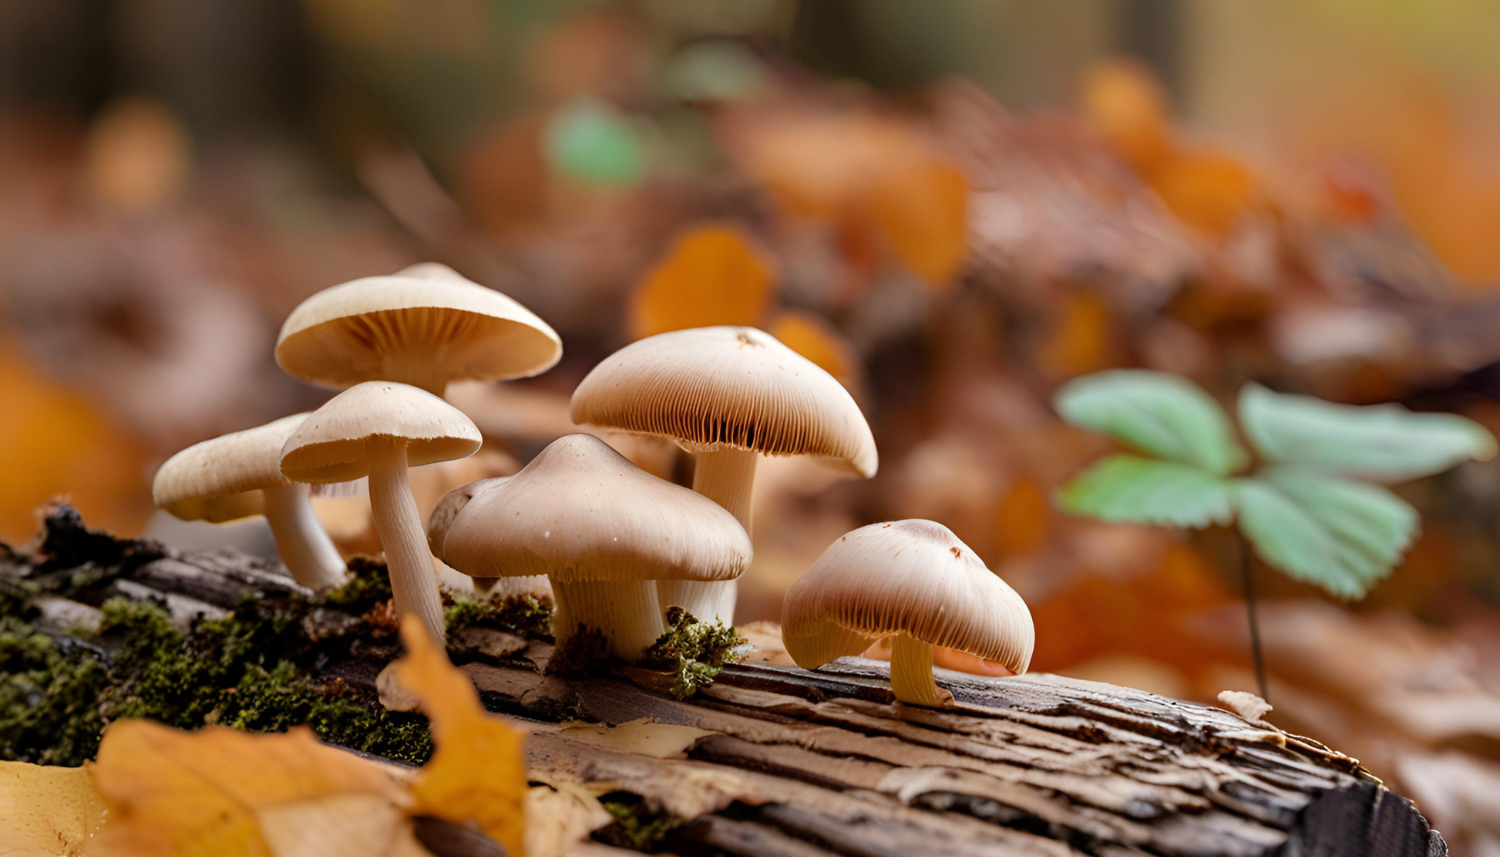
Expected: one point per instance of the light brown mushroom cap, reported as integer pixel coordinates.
(331, 444)
(727, 387)
(221, 479)
(914, 577)
(360, 330)
(581, 512)
(448, 508)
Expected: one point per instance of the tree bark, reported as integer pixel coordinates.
(776, 761)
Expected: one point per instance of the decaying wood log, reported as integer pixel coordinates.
(775, 761)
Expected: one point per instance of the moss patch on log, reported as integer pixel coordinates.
(694, 651)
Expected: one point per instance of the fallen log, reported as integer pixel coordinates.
(768, 761)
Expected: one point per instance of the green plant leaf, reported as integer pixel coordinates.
(1156, 413)
(1335, 533)
(1387, 443)
(590, 141)
(1128, 488)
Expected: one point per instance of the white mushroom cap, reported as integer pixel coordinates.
(448, 508)
(330, 445)
(914, 577)
(714, 388)
(581, 512)
(423, 322)
(221, 479)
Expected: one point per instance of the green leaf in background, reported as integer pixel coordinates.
(1156, 413)
(1384, 442)
(1128, 488)
(1335, 533)
(719, 70)
(590, 141)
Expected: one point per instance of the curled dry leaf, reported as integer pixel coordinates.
(1245, 704)
(46, 811)
(478, 771)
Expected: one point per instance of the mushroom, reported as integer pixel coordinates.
(379, 429)
(602, 530)
(727, 395)
(239, 476)
(913, 580)
(447, 509)
(424, 326)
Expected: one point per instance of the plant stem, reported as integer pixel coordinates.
(1247, 571)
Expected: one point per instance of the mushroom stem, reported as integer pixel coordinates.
(407, 558)
(911, 673)
(625, 611)
(304, 545)
(727, 477)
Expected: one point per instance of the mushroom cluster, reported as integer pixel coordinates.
(616, 547)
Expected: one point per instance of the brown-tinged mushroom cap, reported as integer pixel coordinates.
(448, 508)
(221, 479)
(424, 325)
(331, 444)
(727, 387)
(581, 512)
(914, 579)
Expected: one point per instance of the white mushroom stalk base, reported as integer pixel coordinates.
(727, 477)
(407, 558)
(304, 546)
(625, 611)
(911, 673)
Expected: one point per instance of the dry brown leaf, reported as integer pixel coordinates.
(46, 811)
(560, 815)
(219, 791)
(478, 771)
(643, 737)
(713, 274)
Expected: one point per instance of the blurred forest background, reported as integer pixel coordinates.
(953, 206)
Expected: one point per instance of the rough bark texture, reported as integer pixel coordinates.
(775, 761)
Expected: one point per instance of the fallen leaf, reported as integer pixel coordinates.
(643, 737)
(713, 274)
(817, 340)
(558, 816)
(478, 771)
(221, 791)
(922, 212)
(46, 811)
(1245, 704)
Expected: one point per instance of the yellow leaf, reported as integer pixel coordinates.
(818, 341)
(46, 811)
(478, 771)
(713, 274)
(222, 792)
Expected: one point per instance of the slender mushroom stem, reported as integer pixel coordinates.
(911, 673)
(407, 558)
(727, 477)
(1247, 572)
(304, 546)
(625, 611)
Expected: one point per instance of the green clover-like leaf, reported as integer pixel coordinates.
(1335, 533)
(1155, 413)
(590, 141)
(1387, 443)
(1131, 489)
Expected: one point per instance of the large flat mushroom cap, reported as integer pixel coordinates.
(366, 329)
(221, 479)
(727, 387)
(582, 512)
(914, 577)
(331, 444)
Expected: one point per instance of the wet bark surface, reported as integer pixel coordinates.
(776, 761)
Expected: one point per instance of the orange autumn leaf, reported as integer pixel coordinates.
(817, 340)
(1209, 191)
(1082, 340)
(46, 811)
(478, 771)
(220, 791)
(1023, 518)
(713, 274)
(923, 213)
(1127, 107)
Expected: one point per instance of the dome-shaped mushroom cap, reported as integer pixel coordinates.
(448, 508)
(330, 445)
(581, 512)
(221, 479)
(359, 330)
(910, 576)
(738, 387)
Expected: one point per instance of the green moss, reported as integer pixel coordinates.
(637, 826)
(48, 702)
(521, 614)
(369, 584)
(695, 652)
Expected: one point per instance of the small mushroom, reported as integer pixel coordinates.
(727, 395)
(447, 509)
(912, 580)
(424, 326)
(239, 476)
(379, 429)
(602, 530)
